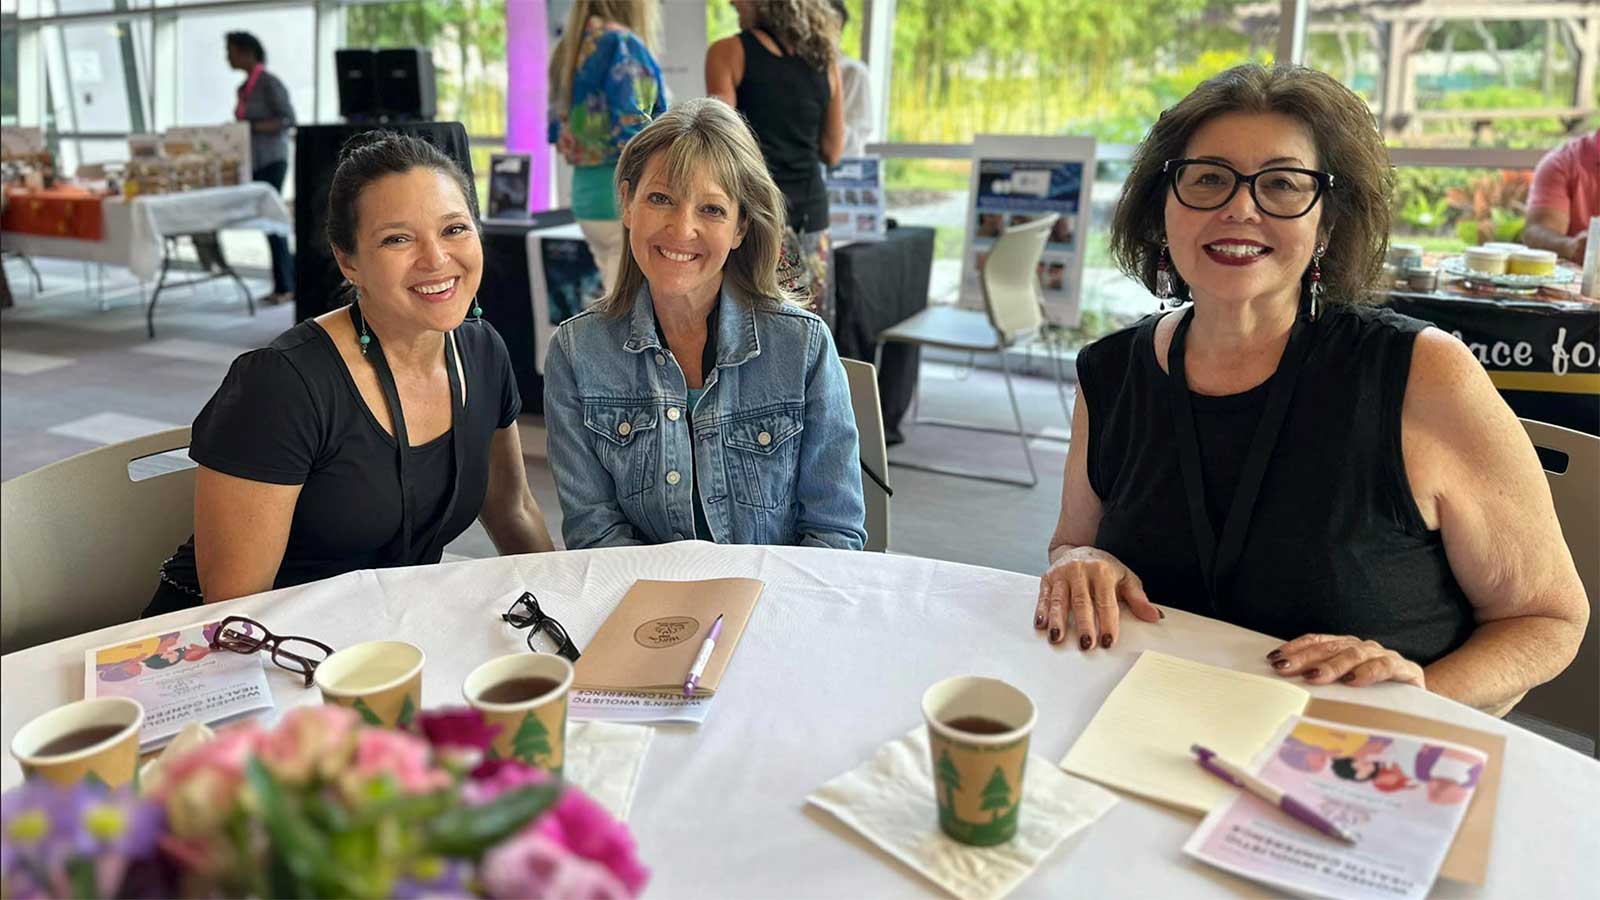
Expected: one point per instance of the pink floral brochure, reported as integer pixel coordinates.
(178, 678)
(1403, 797)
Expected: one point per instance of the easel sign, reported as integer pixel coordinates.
(1016, 179)
(855, 199)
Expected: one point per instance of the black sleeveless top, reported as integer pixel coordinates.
(1336, 543)
(785, 101)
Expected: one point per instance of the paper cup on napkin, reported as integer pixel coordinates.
(978, 731)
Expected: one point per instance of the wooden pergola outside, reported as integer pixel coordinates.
(1401, 28)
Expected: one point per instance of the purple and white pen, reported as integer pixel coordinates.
(701, 658)
(1243, 780)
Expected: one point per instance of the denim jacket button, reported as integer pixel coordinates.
(660, 360)
(672, 413)
(673, 477)
(763, 438)
(624, 428)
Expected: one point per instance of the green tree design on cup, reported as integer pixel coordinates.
(975, 726)
(531, 722)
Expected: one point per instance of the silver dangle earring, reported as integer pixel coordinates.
(1164, 286)
(1316, 280)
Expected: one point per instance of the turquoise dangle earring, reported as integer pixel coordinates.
(366, 339)
(477, 311)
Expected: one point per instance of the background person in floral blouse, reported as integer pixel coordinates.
(605, 85)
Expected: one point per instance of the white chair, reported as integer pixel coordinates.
(83, 542)
(863, 378)
(1012, 316)
(1572, 699)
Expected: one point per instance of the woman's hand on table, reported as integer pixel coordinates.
(1326, 658)
(1089, 584)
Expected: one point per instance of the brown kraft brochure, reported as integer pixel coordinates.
(651, 638)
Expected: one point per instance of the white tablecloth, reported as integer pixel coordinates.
(134, 229)
(833, 664)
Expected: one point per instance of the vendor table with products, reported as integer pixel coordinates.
(140, 233)
(832, 665)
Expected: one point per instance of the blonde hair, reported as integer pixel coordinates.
(705, 136)
(642, 17)
(808, 27)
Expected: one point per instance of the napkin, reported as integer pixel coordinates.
(889, 799)
(604, 759)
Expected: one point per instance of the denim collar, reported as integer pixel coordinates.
(737, 342)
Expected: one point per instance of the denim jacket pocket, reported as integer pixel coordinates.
(762, 450)
(628, 448)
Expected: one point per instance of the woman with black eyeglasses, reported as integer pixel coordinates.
(1274, 451)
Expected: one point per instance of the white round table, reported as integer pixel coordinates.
(832, 665)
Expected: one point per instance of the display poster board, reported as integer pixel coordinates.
(855, 199)
(509, 176)
(1016, 179)
(16, 141)
(563, 280)
(228, 139)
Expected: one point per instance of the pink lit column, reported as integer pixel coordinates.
(527, 90)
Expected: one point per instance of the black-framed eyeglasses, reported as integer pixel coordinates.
(1280, 192)
(300, 655)
(525, 613)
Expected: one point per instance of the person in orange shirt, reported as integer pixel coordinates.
(1565, 194)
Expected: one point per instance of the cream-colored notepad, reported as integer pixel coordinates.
(1139, 740)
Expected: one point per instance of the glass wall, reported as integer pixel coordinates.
(206, 89)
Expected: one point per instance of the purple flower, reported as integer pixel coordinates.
(43, 827)
(433, 876)
(459, 727)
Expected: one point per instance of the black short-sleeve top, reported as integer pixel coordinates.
(290, 413)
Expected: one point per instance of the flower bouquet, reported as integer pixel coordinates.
(322, 806)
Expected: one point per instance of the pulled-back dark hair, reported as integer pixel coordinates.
(1355, 211)
(371, 155)
(247, 42)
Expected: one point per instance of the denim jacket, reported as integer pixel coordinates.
(776, 456)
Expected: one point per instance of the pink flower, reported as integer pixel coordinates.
(201, 788)
(311, 740)
(532, 865)
(403, 758)
(494, 777)
(583, 826)
(459, 727)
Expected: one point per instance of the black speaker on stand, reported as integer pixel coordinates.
(358, 84)
(407, 89)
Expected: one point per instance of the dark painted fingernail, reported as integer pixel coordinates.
(1105, 640)
(1055, 635)
(1281, 664)
(1311, 673)
(1038, 621)
(1085, 642)
(1161, 614)
(1274, 654)
(1348, 676)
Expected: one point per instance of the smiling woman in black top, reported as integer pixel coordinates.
(374, 434)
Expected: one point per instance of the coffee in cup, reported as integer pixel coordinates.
(525, 696)
(978, 733)
(96, 739)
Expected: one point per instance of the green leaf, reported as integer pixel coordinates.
(299, 864)
(469, 831)
(81, 879)
(367, 715)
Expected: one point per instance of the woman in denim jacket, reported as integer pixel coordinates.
(694, 401)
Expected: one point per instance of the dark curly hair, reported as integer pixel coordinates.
(1355, 211)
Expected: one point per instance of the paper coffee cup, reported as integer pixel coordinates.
(525, 696)
(1591, 261)
(380, 680)
(978, 731)
(94, 739)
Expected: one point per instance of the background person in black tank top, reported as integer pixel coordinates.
(374, 434)
(781, 72)
(1280, 458)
